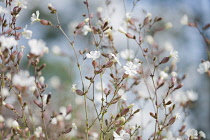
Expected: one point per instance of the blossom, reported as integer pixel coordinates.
(37, 47)
(7, 42)
(122, 93)
(174, 54)
(74, 125)
(1, 119)
(178, 116)
(23, 79)
(192, 133)
(93, 54)
(203, 67)
(123, 135)
(121, 30)
(192, 96)
(137, 63)
(130, 68)
(20, 3)
(55, 82)
(184, 20)
(73, 88)
(115, 58)
(27, 33)
(127, 54)
(150, 39)
(86, 29)
(149, 15)
(3, 10)
(56, 50)
(202, 134)
(168, 25)
(35, 17)
(64, 114)
(38, 132)
(15, 124)
(174, 74)
(163, 75)
(128, 16)
(5, 92)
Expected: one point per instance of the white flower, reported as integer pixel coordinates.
(63, 112)
(23, 79)
(27, 33)
(121, 30)
(87, 20)
(38, 131)
(184, 20)
(168, 25)
(56, 50)
(100, 9)
(20, 3)
(137, 63)
(41, 79)
(74, 125)
(93, 54)
(37, 47)
(73, 88)
(7, 42)
(130, 68)
(55, 82)
(150, 39)
(1, 119)
(174, 54)
(178, 116)
(174, 74)
(192, 96)
(128, 16)
(163, 75)
(127, 54)
(202, 134)
(115, 59)
(168, 46)
(123, 135)
(5, 92)
(86, 29)
(149, 15)
(35, 17)
(3, 10)
(122, 93)
(192, 133)
(203, 67)
(15, 124)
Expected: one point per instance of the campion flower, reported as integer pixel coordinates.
(73, 88)
(86, 29)
(15, 124)
(5, 92)
(93, 55)
(35, 17)
(192, 133)
(128, 16)
(149, 15)
(204, 67)
(23, 79)
(202, 134)
(1, 119)
(7, 42)
(137, 63)
(163, 75)
(184, 20)
(127, 54)
(63, 112)
(168, 25)
(3, 10)
(174, 74)
(20, 3)
(27, 33)
(115, 58)
(174, 54)
(178, 116)
(38, 132)
(121, 30)
(192, 96)
(38, 47)
(150, 39)
(130, 68)
(122, 93)
(123, 135)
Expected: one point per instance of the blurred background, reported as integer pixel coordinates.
(61, 72)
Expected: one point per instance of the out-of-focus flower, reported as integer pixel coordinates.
(163, 75)
(93, 54)
(127, 54)
(98, 86)
(130, 68)
(168, 25)
(38, 132)
(123, 135)
(74, 125)
(174, 74)
(121, 30)
(192, 133)
(128, 16)
(202, 134)
(87, 20)
(15, 124)
(122, 93)
(150, 39)
(41, 79)
(23, 79)
(63, 112)
(149, 15)
(3, 10)
(115, 58)
(20, 3)
(137, 62)
(56, 50)
(38, 47)
(174, 54)
(168, 46)
(1, 119)
(35, 17)
(184, 20)
(178, 116)
(7, 42)
(5, 92)
(86, 29)
(55, 82)
(192, 96)
(100, 9)
(73, 88)
(203, 67)
(27, 33)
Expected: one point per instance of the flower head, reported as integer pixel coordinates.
(202, 134)
(192, 133)
(3, 10)
(35, 17)
(163, 75)
(184, 20)
(7, 42)
(130, 68)
(127, 54)
(86, 29)
(93, 54)
(38, 47)
(203, 67)
(20, 3)
(121, 30)
(174, 54)
(168, 25)
(123, 135)
(27, 33)
(115, 58)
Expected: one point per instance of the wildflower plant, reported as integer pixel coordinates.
(115, 86)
